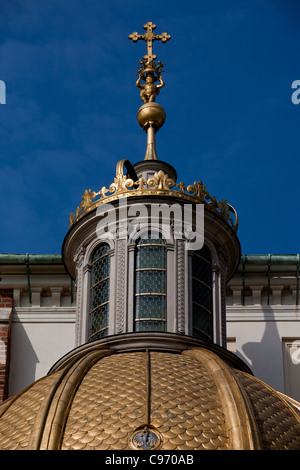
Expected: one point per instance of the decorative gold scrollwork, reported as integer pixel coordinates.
(159, 185)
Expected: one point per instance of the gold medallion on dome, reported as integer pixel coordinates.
(145, 438)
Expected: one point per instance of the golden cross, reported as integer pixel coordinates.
(149, 36)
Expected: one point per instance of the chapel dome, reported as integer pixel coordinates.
(100, 399)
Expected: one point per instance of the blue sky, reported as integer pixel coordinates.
(71, 105)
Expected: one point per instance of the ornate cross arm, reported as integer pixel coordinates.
(149, 37)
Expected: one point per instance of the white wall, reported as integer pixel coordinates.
(260, 335)
(38, 340)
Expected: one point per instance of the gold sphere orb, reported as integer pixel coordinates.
(151, 112)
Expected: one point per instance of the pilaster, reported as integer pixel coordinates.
(6, 303)
(181, 278)
(121, 286)
(80, 304)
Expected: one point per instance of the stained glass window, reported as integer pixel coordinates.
(99, 293)
(150, 285)
(202, 294)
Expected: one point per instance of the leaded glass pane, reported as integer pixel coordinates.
(202, 294)
(201, 266)
(151, 256)
(150, 306)
(151, 282)
(99, 293)
(146, 240)
(100, 266)
(98, 327)
(150, 325)
(202, 325)
(150, 285)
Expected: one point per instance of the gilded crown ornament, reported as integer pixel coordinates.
(158, 185)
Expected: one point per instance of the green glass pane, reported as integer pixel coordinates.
(151, 257)
(100, 251)
(150, 326)
(201, 270)
(147, 240)
(150, 306)
(98, 320)
(100, 269)
(99, 293)
(150, 282)
(99, 335)
(150, 278)
(202, 294)
(202, 323)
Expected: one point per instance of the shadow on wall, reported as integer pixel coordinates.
(270, 362)
(23, 360)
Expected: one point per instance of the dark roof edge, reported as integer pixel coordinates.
(30, 259)
(270, 259)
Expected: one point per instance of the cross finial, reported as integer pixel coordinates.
(151, 116)
(149, 37)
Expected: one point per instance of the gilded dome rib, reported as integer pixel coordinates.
(49, 424)
(18, 414)
(238, 411)
(277, 421)
(148, 387)
(185, 406)
(109, 404)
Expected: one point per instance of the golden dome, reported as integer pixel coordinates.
(98, 399)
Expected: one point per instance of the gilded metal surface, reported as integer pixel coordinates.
(50, 422)
(117, 396)
(109, 405)
(239, 416)
(17, 421)
(149, 37)
(148, 70)
(159, 185)
(151, 400)
(277, 421)
(151, 116)
(151, 113)
(149, 90)
(185, 404)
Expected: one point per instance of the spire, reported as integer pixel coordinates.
(151, 116)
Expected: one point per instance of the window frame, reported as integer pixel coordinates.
(93, 336)
(208, 310)
(137, 319)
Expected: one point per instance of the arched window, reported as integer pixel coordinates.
(150, 285)
(99, 293)
(202, 318)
